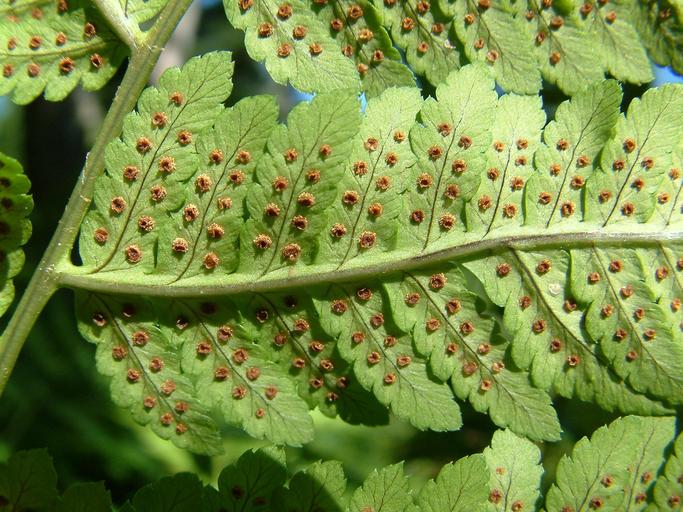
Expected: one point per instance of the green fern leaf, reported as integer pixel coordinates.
(329, 262)
(178, 493)
(560, 357)
(462, 348)
(157, 153)
(290, 188)
(423, 32)
(89, 497)
(360, 34)
(626, 329)
(52, 47)
(495, 36)
(450, 145)
(294, 44)
(15, 228)
(380, 157)
(622, 467)
(588, 121)
(248, 485)
(28, 481)
(572, 45)
(659, 27)
(515, 472)
(650, 122)
(623, 54)
(460, 487)
(542, 307)
(383, 360)
(648, 366)
(518, 122)
(145, 369)
(564, 53)
(320, 486)
(615, 470)
(669, 198)
(309, 356)
(386, 489)
(668, 487)
(260, 395)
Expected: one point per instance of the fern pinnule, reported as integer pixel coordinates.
(52, 47)
(341, 250)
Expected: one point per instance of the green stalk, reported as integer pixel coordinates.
(45, 279)
(116, 283)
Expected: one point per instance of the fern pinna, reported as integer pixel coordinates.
(323, 45)
(613, 470)
(566, 43)
(388, 248)
(261, 269)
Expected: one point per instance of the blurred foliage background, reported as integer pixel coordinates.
(56, 399)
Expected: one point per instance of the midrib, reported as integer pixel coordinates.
(307, 276)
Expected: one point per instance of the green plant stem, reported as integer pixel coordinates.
(116, 283)
(45, 279)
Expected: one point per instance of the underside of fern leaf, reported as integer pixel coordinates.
(324, 45)
(319, 45)
(52, 46)
(15, 228)
(255, 270)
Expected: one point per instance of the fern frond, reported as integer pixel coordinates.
(387, 488)
(28, 480)
(383, 359)
(322, 377)
(52, 47)
(460, 486)
(150, 382)
(424, 33)
(542, 306)
(294, 43)
(564, 51)
(611, 27)
(668, 487)
(256, 474)
(659, 27)
(498, 38)
(321, 46)
(361, 35)
(622, 466)
(515, 472)
(462, 347)
(321, 486)
(334, 257)
(15, 228)
(572, 45)
(157, 154)
(616, 469)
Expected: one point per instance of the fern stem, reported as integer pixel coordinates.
(116, 282)
(45, 280)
